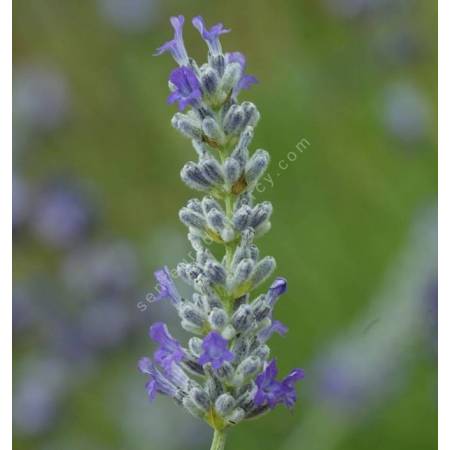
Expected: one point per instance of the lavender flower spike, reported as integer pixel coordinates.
(176, 46)
(222, 375)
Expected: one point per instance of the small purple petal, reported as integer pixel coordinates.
(237, 57)
(246, 82)
(215, 350)
(211, 36)
(273, 392)
(276, 327)
(145, 365)
(186, 88)
(166, 286)
(176, 46)
(169, 351)
(157, 382)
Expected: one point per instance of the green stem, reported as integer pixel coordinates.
(218, 442)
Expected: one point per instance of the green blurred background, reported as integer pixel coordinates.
(353, 229)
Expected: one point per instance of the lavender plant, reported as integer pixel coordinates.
(224, 375)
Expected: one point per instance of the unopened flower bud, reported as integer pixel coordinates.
(215, 272)
(218, 318)
(232, 170)
(187, 125)
(231, 76)
(241, 218)
(200, 398)
(251, 114)
(216, 220)
(192, 408)
(192, 315)
(238, 415)
(242, 273)
(233, 121)
(209, 80)
(261, 214)
(192, 219)
(209, 203)
(224, 404)
(195, 205)
(212, 171)
(243, 318)
(195, 346)
(256, 166)
(211, 129)
(263, 270)
(247, 369)
(193, 177)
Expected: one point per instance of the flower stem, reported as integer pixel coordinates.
(218, 442)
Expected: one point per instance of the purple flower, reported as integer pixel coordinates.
(246, 80)
(275, 327)
(169, 350)
(272, 392)
(278, 287)
(289, 395)
(215, 350)
(157, 382)
(211, 36)
(176, 45)
(166, 286)
(63, 214)
(186, 88)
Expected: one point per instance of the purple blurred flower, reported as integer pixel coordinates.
(215, 350)
(211, 36)
(169, 351)
(272, 392)
(63, 215)
(130, 15)
(186, 88)
(102, 270)
(246, 80)
(105, 324)
(39, 390)
(406, 112)
(24, 313)
(20, 202)
(41, 98)
(176, 46)
(166, 287)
